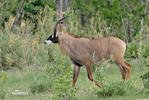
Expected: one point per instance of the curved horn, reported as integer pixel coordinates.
(55, 27)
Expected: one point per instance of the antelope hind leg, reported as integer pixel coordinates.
(129, 68)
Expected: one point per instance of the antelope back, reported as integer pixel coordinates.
(96, 50)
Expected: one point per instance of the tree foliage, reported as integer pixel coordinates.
(121, 18)
(118, 14)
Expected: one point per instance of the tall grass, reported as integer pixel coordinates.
(20, 50)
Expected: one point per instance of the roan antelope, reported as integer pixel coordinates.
(81, 51)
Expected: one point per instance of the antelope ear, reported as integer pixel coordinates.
(61, 27)
(58, 27)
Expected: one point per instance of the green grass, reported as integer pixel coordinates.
(28, 77)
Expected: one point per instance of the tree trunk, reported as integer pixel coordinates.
(18, 16)
(65, 5)
(61, 7)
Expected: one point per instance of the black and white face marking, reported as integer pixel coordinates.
(51, 39)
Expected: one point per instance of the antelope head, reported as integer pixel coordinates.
(53, 38)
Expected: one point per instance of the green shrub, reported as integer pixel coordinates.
(99, 71)
(14, 51)
(41, 84)
(58, 75)
(61, 75)
(145, 50)
(132, 50)
(3, 82)
(145, 76)
(146, 62)
(145, 79)
(17, 50)
(115, 88)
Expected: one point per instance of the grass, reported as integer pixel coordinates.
(28, 77)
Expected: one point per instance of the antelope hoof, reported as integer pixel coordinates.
(99, 85)
(72, 86)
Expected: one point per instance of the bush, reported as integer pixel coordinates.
(3, 82)
(14, 51)
(145, 79)
(40, 85)
(145, 76)
(132, 50)
(145, 50)
(100, 71)
(18, 50)
(115, 88)
(61, 75)
(58, 75)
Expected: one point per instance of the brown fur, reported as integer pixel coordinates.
(87, 51)
(75, 36)
(84, 51)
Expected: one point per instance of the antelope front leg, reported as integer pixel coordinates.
(75, 76)
(89, 72)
